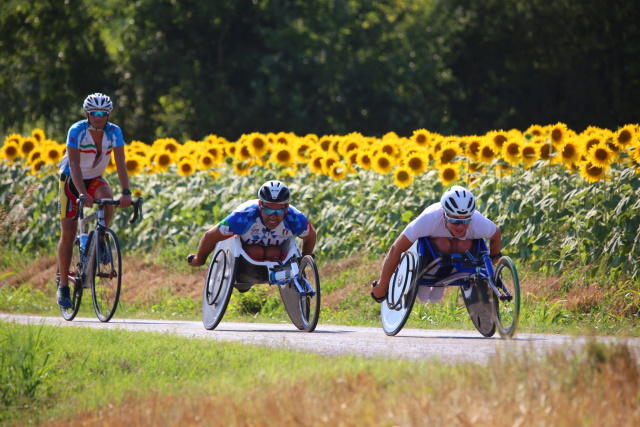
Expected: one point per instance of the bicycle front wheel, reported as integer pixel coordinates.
(75, 283)
(106, 282)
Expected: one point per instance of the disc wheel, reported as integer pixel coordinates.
(309, 302)
(403, 288)
(217, 289)
(506, 308)
(75, 283)
(107, 280)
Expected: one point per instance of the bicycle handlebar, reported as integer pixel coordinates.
(137, 205)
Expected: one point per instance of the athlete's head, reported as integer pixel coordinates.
(274, 201)
(458, 201)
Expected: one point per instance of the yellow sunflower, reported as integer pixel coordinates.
(168, 144)
(402, 176)
(557, 134)
(13, 138)
(448, 174)
(571, 152)
(216, 152)
(326, 142)
(28, 145)
(421, 137)
(349, 143)
(257, 144)
(206, 161)
(530, 153)
(38, 134)
(34, 155)
(535, 130)
(626, 137)
(10, 152)
(52, 152)
(338, 171)
(329, 160)
(243, 153)
(382, 163)
(242, 168)
(186, 166)
(162, 160)
(37, 166)
(472, 147)
(447, 154)
(486, 153)
(415, 163)
(601, 155)
(497, 139)
(388, 147)
(364, 159)
(134, 165)
(283, 155)
(316, 162)
(511, 151)
(591, 173)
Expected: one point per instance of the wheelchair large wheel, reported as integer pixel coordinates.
(506, 309)
(217, 289)
(309, 304)
(403, 288)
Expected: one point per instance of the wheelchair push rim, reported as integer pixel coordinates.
(309, 298)
(403, 288)
(217, 289)
(506, 307)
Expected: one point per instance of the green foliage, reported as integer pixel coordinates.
(186, 69)
(27, 362)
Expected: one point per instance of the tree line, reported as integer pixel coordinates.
(186, 68)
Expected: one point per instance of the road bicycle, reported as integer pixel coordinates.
(96, 261)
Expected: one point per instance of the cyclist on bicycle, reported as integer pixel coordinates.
(263, 225)
(90, 143)
(451, 226)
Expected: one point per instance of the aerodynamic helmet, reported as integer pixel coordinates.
(458, 201)
(274, 192)
(97, 101)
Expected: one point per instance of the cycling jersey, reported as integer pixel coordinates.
(91, 164)
(246, 222)
(431, 223)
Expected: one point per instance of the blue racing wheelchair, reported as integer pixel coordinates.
(492, 296)
(295, 276)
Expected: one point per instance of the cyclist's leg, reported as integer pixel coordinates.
(255, 252)
(273, 252)
(99, 189)
(66, 211)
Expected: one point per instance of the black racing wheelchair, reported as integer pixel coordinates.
(295, 276)
(491, 295)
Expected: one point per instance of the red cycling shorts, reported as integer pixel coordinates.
(68, 194)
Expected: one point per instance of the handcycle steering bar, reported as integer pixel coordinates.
(137, 207)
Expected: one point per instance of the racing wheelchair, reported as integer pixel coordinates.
(491, 296)
(296, 277)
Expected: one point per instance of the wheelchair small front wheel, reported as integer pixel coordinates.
(309, 299)
(506, 307)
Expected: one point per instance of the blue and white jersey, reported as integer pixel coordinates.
(246, 222)
(92, 164)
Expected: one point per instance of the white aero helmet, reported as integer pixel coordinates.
(97, 101)
(274, 192)
(458, 201)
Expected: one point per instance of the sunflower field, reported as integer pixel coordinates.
(563, 199)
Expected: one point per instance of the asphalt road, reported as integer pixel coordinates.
(450, 346)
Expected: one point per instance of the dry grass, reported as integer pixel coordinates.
(600, 388)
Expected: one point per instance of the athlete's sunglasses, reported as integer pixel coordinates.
(98, 113)
(277, 212)
(458, 221)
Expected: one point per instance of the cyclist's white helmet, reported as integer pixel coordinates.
(458, 201)
(274, 192)
(97, 101)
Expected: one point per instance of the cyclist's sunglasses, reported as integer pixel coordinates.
(278, 212)
(458, 221)
(98, 113)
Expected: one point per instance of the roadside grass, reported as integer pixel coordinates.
(161, 285)
(83, 376)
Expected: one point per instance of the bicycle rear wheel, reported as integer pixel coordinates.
(75, 282)
(106, 282)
